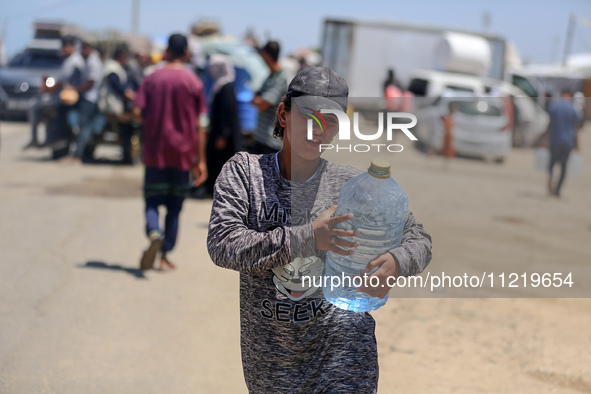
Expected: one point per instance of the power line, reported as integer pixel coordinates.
(569, 38)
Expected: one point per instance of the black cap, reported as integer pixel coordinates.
(271, 48)
(177, 44)
(318, 88)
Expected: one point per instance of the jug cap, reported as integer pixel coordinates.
(379, 168)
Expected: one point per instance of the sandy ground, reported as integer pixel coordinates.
(76, 316)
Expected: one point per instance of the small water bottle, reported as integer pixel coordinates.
(379, 206)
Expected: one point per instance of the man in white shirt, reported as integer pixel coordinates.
(86, 107)
(70, 74)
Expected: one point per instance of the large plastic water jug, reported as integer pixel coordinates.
(379, 206)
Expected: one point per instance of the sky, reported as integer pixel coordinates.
(537, 27)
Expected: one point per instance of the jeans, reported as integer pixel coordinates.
(168, 187)
(42, 104)
(86, 112)
(559, 154)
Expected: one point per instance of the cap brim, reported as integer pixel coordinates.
(317, 103)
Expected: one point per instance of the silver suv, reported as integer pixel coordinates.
(20, 81)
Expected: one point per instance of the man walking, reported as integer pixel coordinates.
(563, 129)
(267, 99)
(87, 104)
(171, 100)
(70, 75)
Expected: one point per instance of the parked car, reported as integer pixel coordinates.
(20, 81)
(531, 121)
(482, 125)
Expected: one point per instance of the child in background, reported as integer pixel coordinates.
(447, 150)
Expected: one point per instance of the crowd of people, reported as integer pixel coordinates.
(242, 236)
(191, 139)
(279, 167)
(186, 135)
(85, 94)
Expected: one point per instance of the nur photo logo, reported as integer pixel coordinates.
(344, 130)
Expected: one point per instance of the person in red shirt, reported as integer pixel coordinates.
(170, 101)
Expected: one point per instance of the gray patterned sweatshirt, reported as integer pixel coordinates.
(292, 340)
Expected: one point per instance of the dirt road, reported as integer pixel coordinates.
(77, 316)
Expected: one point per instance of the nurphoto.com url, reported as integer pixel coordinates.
(432, 282)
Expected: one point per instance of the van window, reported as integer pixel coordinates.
(477, 107)
(459, 88)
(524, 84)
(37, 59)
(418, 87)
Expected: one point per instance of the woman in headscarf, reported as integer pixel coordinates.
(225, 137)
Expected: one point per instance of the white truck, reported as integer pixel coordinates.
(428, 61)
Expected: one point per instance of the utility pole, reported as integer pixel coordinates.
(569, 38)
(486, 21)
(4, 28)
(135, 16)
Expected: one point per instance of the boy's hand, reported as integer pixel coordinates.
(326, 231)
(387, 267)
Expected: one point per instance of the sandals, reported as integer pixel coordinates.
(149, 256)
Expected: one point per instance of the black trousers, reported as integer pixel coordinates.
(559, 154)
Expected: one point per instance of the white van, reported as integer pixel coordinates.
(530, 118)
(482, 125)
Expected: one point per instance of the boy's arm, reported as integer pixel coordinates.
(231, 244)
(414, 252)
